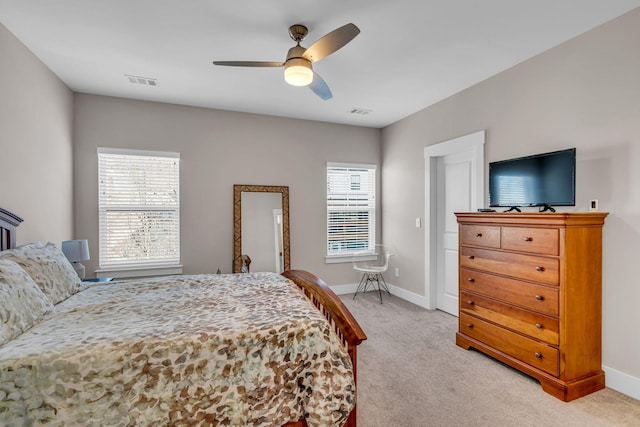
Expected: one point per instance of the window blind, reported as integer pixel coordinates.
(139, 208)
(351, 208)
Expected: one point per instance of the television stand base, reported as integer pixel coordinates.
(545, 208)
(513, 208)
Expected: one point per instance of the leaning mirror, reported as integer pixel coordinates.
(261, 228)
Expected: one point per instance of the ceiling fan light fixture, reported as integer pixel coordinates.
(298, 72)
(298, 69)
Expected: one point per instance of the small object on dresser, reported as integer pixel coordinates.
(98, 279)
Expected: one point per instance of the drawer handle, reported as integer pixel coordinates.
(538, 325)
(470, 302)
(470, 325)
(478, 234)
(539, 297)
(539, 268)
(538, 355)
(471, 257)
(528, 239)
(471, 280)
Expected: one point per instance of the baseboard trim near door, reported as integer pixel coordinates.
(416, 299)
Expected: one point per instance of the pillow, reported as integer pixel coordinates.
(22, 303)
(48, 267)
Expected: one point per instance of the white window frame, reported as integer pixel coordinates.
(113, 265)
(351, 199)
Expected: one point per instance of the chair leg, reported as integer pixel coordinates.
(362, 286)
(379, 291)
(381, 285)
(369, 279)
(384, 284)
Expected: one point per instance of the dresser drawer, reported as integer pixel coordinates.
(536, 325)
(540, 298)
(544, 241)
(528, 267)
(480, 235)
(537, 354)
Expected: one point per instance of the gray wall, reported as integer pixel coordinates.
(584, 94)
(219, 149)
(36, 144)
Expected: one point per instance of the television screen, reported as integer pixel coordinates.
(547, 179)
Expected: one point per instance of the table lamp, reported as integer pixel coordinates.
(76, 251)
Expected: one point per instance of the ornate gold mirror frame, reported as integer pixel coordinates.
(237, 221)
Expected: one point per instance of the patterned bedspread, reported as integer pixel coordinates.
(228, 350)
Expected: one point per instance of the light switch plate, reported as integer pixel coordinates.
(418, 223)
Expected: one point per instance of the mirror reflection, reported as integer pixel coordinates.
(261, 228)
(262, 231)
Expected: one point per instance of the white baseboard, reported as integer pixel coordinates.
(624, 383)
(344, 289)
(399, 292)
(616, 380)
(408, 296)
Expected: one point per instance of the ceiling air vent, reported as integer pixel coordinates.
(137, 80)
(359, 111)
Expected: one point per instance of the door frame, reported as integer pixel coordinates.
(472, 142)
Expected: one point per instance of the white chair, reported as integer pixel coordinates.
(372, 265)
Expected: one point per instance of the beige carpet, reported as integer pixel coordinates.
(411, 373)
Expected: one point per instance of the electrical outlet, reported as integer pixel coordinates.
(593, 205)
(397, 272)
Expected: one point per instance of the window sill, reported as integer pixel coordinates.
(121, 273)
(336, 259)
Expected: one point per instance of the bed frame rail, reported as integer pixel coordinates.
(338, 315)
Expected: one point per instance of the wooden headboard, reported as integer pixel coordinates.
(8, 223)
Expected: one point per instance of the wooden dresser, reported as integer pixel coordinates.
(530, 291)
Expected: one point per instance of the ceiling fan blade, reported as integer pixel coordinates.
(320, 87)
(331, 42)
(249, 63)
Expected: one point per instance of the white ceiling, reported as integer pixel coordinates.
(409, 54)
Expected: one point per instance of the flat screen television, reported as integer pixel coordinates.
(545, 180)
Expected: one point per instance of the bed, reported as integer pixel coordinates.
(233, 349)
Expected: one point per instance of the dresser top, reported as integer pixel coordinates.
(575, 219)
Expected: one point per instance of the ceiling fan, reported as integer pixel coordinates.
(298, 70)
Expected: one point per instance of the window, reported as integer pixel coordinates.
(139, 212)
(351, 210)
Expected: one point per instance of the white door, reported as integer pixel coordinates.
(454, 181)
(454, 173)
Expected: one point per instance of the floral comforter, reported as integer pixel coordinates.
(228, 350)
